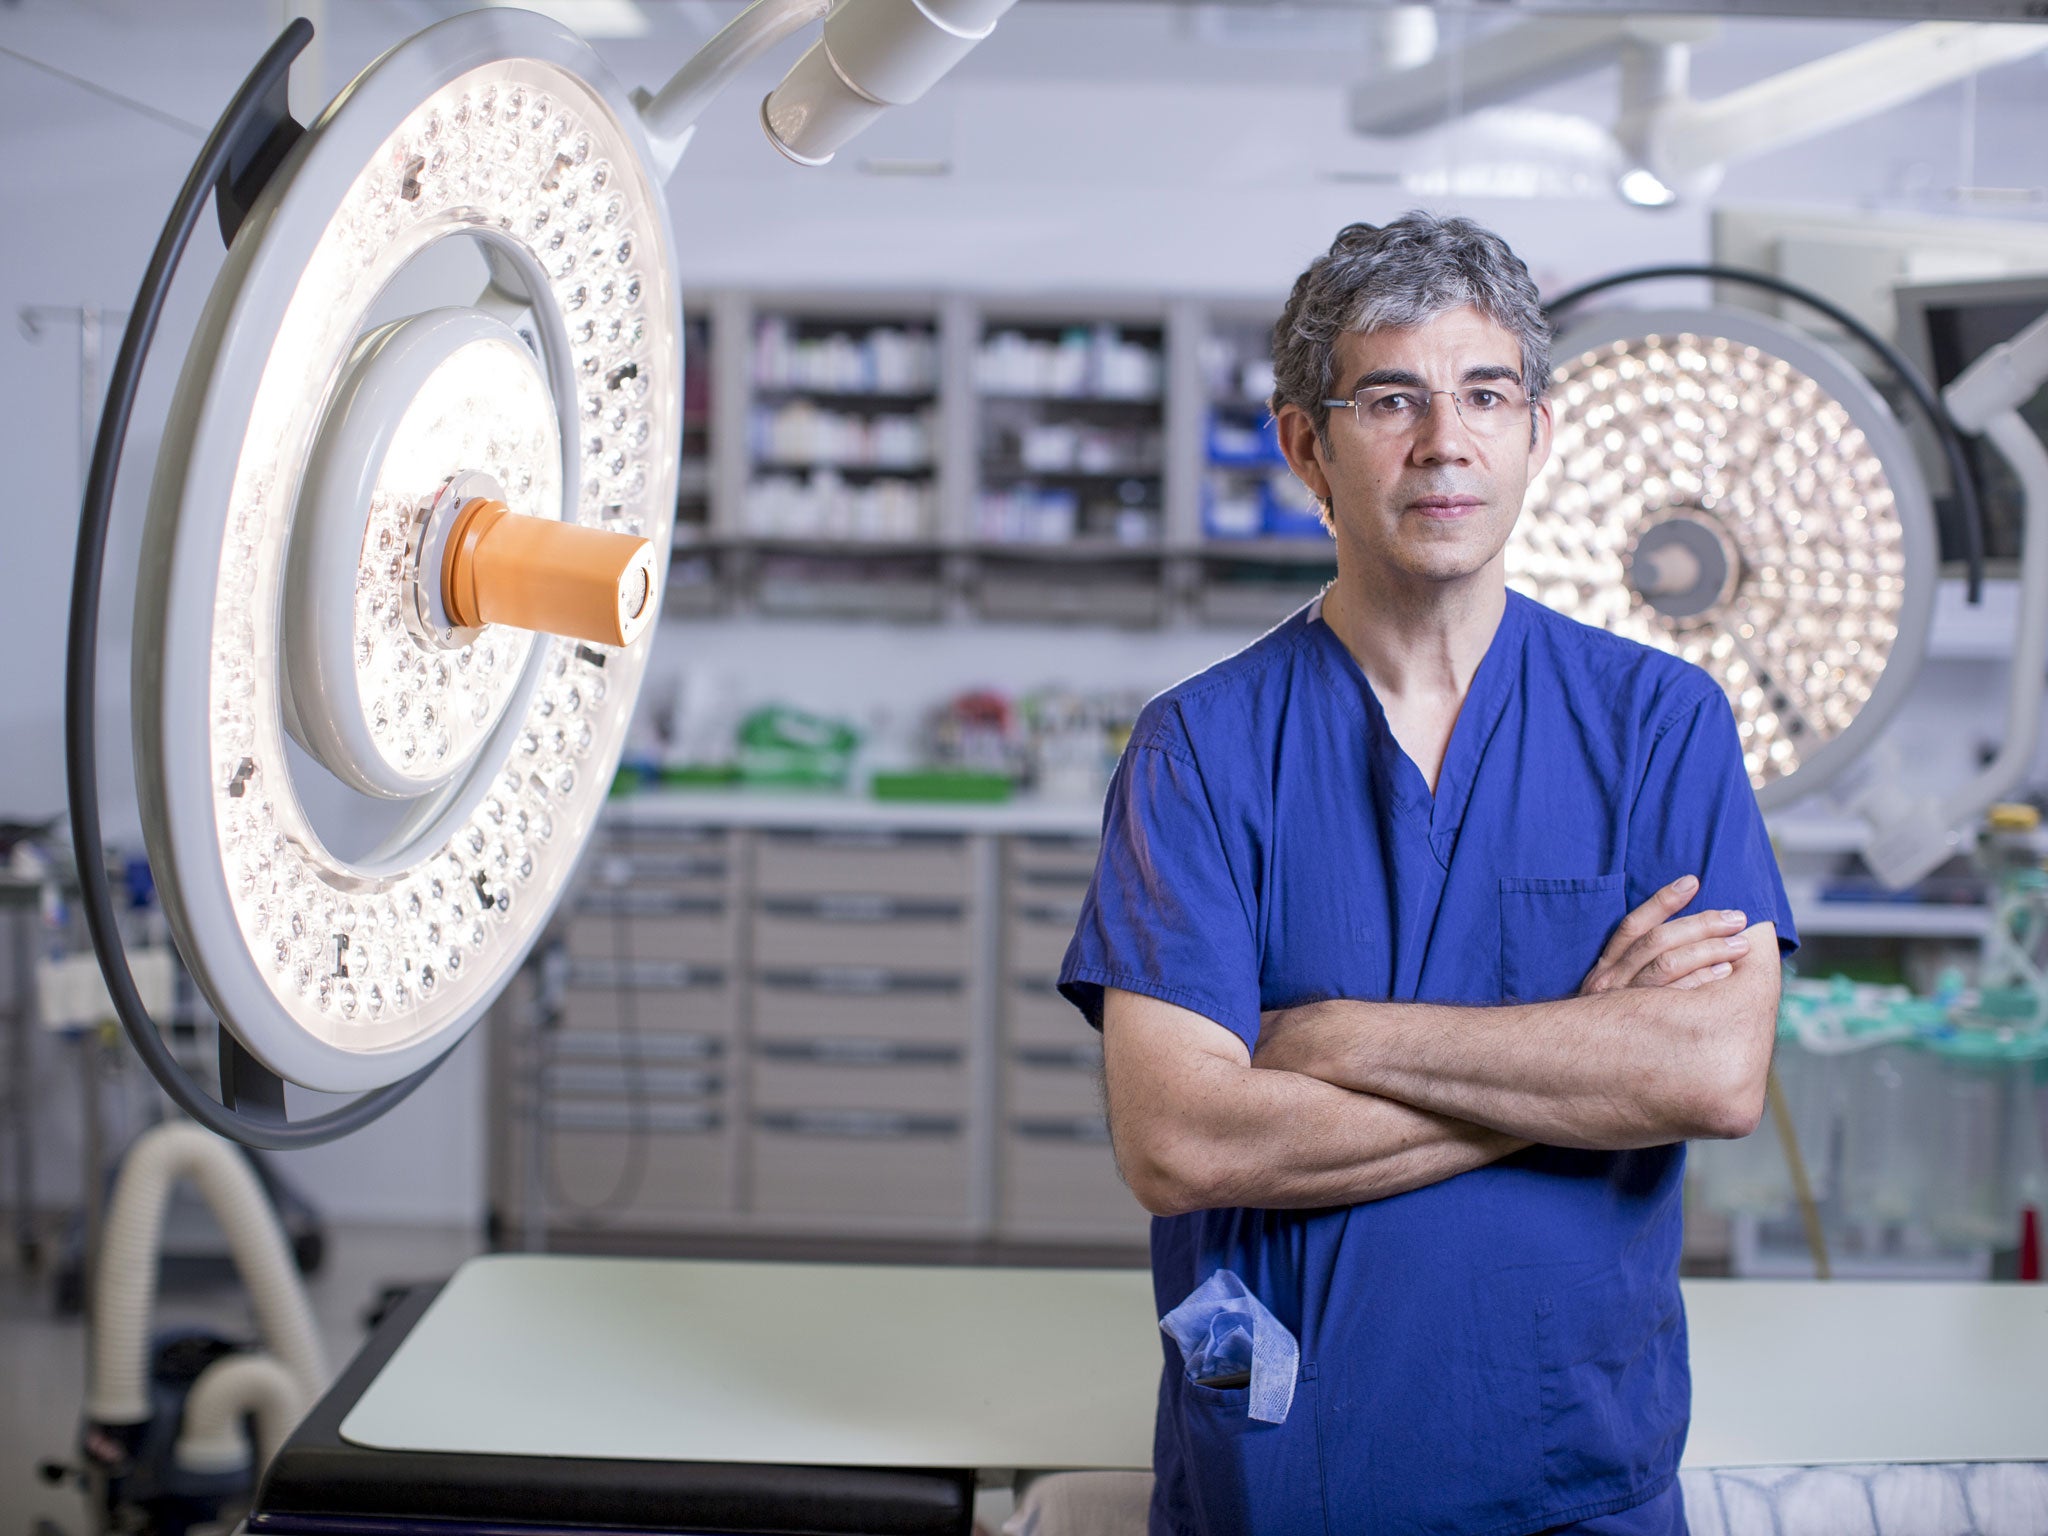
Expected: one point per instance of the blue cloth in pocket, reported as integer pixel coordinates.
(1224, 1330)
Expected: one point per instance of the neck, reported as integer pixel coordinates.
(1415, 640)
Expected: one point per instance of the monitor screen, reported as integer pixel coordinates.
(1945, 327)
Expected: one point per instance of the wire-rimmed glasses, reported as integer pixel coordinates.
(1489, 409)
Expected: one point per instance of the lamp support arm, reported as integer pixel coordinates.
(670, 113)
(1987, 397)
(1908, 841)
(1685, 137)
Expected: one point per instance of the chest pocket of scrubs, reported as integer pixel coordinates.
(1551, 932)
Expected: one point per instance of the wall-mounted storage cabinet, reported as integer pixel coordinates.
(920, 456)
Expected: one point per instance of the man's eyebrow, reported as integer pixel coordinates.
(1380, 377)
(1479, 373)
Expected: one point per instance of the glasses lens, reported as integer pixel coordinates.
(1488, 410)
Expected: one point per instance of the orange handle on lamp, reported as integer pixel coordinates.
(539, 574)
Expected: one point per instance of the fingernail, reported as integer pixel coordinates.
(1685, 882)
(1731, 917)
(1736, 942)
(1722, 968)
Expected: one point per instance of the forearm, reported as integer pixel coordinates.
(1238, 1136)
(1631, 1068)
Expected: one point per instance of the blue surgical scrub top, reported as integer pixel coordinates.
(1503, 1351)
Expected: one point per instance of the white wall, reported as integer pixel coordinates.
(1091, 147)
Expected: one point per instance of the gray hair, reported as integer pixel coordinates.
(1400, 274)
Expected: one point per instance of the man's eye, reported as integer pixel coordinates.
(1396, 405)
(1484, 399)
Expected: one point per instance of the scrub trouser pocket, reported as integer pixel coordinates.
(1244, 1478)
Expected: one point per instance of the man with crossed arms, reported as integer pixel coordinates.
(1426, 930)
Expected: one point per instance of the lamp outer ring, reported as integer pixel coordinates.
(1888, 443)
(183, 541)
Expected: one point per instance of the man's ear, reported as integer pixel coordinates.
(1541, 434)
(1305, 450)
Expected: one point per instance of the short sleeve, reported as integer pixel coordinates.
(1166, 915)
(1696, 814)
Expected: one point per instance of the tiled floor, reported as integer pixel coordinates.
(42, 1356)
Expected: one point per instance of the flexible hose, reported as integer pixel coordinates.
(124, 1290)
(212, 1439)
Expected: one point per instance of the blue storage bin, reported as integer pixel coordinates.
(1233, 444)
(1290, 512)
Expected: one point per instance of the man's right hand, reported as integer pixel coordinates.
(1653, 949)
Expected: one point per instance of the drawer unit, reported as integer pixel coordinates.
(633, 924)
(1048, 861)
(859, 1074)
(1037, 935)
(629, 1074)
(1059, 1183)
(1035, 1014)
(858, 1003)
(708, 1008)
(881, 863)
(639, 1045)
(852, 1165)
(1055, 1081)
(662, 853)
(684, 1169)
(891, 933)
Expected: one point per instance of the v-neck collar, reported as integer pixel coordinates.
(1394, 772)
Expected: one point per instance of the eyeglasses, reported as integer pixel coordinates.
(1488, 410)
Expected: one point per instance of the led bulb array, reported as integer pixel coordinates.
(1770, 467)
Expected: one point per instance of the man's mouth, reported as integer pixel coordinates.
(1445, 507)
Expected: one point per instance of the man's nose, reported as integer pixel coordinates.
(1442, 437)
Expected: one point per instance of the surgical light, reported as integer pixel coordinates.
(401, 560)
(1726, 490)
(1730, 490)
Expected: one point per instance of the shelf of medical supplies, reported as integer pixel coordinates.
(1077, 551)
(852, 399)
(1123, 593)
(1265, 551)
(1145, 404)
(843, 467)
(1016, 471)
(877, 579)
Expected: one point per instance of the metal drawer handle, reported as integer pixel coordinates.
(858, 839)
(598, 1077)
(662, 1118)
(857, 1124)
(860, 1053)
(633, 902)
(859, 981)
(653, 1046)
(860, 908)
(642, 976)
(1062, 916)
(1089, 1132)
(1075, 1058)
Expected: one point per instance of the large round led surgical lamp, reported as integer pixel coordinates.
(1729, 490)
(405, 560)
